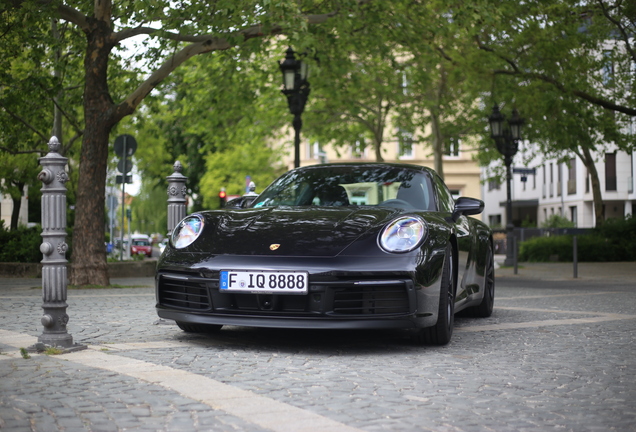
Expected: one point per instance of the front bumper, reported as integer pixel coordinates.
(346, 301)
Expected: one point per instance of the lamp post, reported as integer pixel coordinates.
(507, 139)
(296, 88)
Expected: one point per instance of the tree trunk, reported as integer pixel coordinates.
(17, 204)
(88, 262)
(438, 145)
(588, 161)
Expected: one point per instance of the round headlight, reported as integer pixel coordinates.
(403, 234)
(187, 231)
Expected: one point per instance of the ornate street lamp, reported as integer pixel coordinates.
(296, 88)
(507, 139)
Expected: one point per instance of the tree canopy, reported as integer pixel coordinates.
(79, 58)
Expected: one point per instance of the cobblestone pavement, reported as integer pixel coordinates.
(558, 354)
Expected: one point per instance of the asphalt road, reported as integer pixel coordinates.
(558, 354)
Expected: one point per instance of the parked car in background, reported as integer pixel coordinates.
(140, 245)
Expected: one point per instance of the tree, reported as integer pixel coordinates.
(184, 32)
(36, 94)
(359, 86)
(584, 49)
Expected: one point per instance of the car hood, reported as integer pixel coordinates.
(289, 231)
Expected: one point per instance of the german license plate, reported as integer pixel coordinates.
(265, 282)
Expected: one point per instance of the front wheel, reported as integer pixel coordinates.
(441, 332)
(199, 328)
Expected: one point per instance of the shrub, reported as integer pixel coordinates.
(21, 245)
(613, 241)
(557, 221)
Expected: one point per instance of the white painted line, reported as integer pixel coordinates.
(545, 323)
(573, 294)
(260, 410)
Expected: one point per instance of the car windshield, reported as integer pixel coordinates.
(350, 185)
(140, 243)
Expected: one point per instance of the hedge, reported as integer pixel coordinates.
(23, 245)
(615, 240)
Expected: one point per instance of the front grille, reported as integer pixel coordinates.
(184, 293)
(335, 298)
(376, 300)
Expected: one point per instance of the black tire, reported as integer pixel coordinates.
(484, 309)
(199, 328)
(442, 331)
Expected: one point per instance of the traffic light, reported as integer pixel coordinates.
(129, 213)
(222, 197)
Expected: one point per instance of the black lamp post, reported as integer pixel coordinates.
(296, 88)
(507, 139)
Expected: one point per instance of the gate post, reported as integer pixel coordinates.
(53, 248)
(176, 196)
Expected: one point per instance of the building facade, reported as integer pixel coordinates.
(563, 189)
(461, 172)
(6, 209)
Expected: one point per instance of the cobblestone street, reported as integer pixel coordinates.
(557, 354)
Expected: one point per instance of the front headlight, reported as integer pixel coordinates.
(403, 234)
(187, 231)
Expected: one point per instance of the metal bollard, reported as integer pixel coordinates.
(176, 196)
(53, 248)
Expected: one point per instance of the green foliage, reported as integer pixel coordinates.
(614, 241)
(557, 221)
(21, 245)
(621, 233)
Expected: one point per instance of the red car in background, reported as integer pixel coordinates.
(141, 245)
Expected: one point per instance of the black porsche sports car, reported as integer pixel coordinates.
(349, 246)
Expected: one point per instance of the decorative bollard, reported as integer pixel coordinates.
(53, 248)
(176, 196)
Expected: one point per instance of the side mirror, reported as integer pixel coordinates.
(235, 203)
(467, 206)
(241, 202)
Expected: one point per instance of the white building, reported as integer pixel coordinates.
(563, 189)
(6, 209)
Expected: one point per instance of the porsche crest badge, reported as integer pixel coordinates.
(274, 246)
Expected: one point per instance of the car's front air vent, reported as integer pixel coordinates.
(371, 300)
(184, 293)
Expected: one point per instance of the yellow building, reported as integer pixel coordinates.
(461, 172)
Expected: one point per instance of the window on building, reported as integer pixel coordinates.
(545, 181)
(358, 149)
(610, 171)
(559, 179)
(572, 177)
(630, 182)
(551, 185)
(494, 184)
(405, 83)
(452, 147)
(607, 72)
(405, 144)
(494, 220)
(315, 151)
(574, 216)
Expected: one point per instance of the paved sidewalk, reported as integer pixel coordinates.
(141, 373)
(586, 271)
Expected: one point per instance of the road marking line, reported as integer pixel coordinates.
(519, 308)
(251, 407)
(574, 294)
(545, 323)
